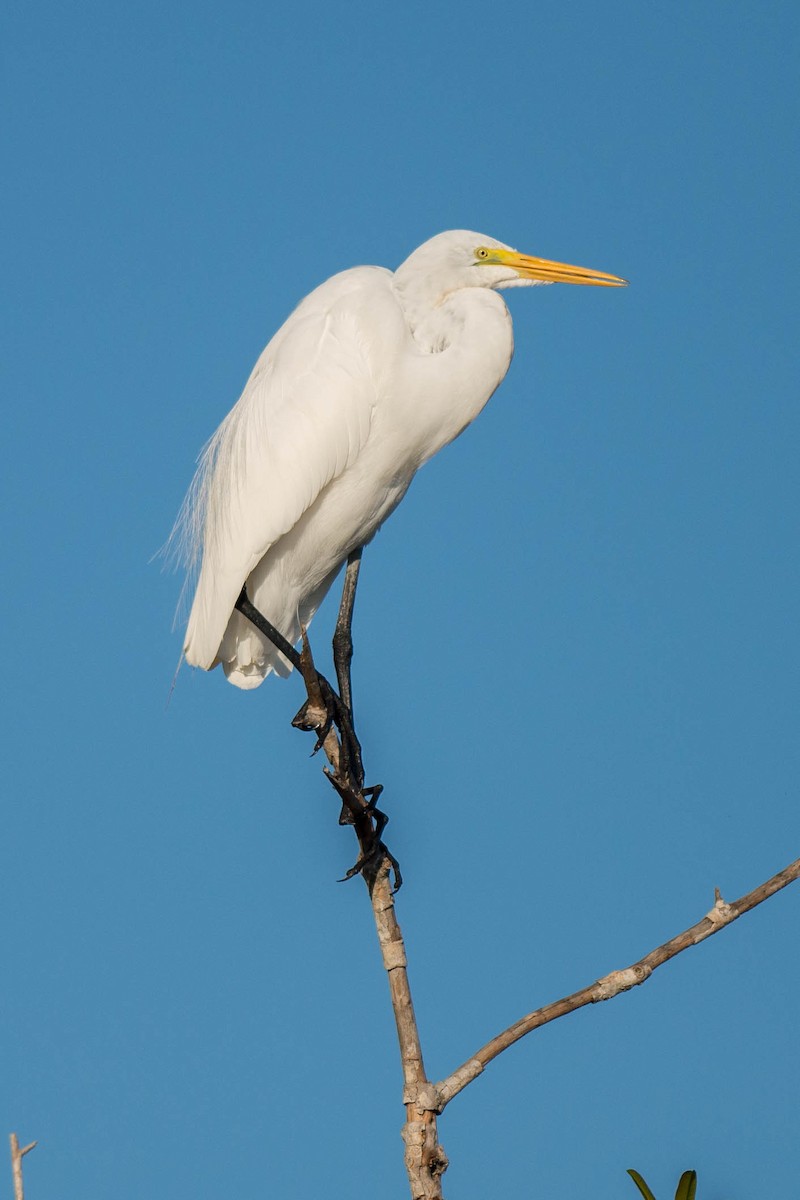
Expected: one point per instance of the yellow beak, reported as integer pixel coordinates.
(551, 272)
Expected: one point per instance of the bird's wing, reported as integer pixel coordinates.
(302, 419)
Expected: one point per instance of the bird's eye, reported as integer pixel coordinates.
(481, 252)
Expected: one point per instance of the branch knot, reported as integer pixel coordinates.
(722, 913)
(425, 1097)
(620, 981)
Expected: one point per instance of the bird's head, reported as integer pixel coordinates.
(462, 259)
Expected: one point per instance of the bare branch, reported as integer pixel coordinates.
(425, 1159)
(17, 1155)
(611, 985)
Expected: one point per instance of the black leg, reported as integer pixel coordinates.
(359, 803)
(343, 637)
(266, 627)
(336, 710)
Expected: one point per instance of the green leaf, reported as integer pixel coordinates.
(687, 1186)
(641, 1185)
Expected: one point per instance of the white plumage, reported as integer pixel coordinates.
(370, 376)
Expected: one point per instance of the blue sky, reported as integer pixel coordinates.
(576, 641)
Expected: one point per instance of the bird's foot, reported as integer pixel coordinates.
(317, 716)
(323, 709)
(369, 863)
(360, 809)
(353, 805)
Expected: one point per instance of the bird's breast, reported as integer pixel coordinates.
(455, 359)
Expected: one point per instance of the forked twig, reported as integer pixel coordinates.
(425, 1159)
(611, 985)
(17, 1154)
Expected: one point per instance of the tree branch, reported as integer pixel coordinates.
(17, 1155)
(425, 1159)
(611, 985)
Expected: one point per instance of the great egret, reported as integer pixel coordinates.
(371, 375)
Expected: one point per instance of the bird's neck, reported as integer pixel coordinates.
(419, 295)
(465, 346)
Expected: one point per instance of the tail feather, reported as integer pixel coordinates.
(247, 657)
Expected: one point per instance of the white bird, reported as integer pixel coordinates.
(371, 375)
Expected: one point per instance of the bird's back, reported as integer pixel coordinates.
(302, 420)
